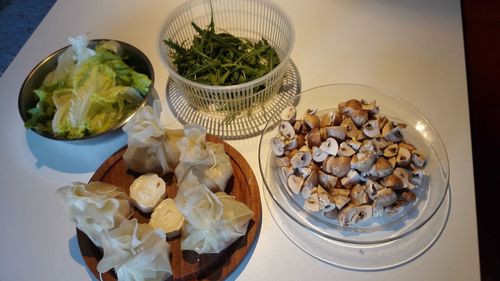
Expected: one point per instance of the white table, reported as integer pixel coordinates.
(413, 49)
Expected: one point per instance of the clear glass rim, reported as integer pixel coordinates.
(445, 168)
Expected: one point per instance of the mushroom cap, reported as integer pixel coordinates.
(330, 145)
(362, 161)
(338, 166)
(325, 119)
(392, 132)
(313, 138)
(340, 191)
(384, 197)
(311, 120)
(286, 130)
(358, 116)
(391, 150)
(381, 168)
(372, 187)
(277, 146)
(416, 176)
(291, 144)
(393, 181)
(336, 132)
(418, 159)
(327, 181)
(351, 179)
(312, 178)
(358, 195)
(404, 156)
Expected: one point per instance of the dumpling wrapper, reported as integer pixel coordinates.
(95, 207)
(151, 147)
(207, 160)
(136, 252)
(214, 221)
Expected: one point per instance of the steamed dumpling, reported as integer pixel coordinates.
(214, 221)
(207, 160)
(151, 146)
(136, 252)
(95, 207)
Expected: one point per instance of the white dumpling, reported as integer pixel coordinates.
(136, 252)
(214, 221)
(207, 160)
(151, 146)
(95, 207)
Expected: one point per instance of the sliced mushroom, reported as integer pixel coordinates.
(312, 203)
(336, 132)
(407, 197)
(337, 118)
(289, 114)
(370, 145)
(286, 130)
(337, 166)
(307, 191)
(327, 181)
(393, 181)
(358, 195)
(384, 197)
(391, 150)
(371, 129)
(291, 144)
(277, 146)
(304, 172)
(418, 159)
(351, 179)
(318, 154)
(312, 179)
(392, 160)
(393, 132)
(404, 175)
(360, 117)
(331, 213)
(381, 168)
(295, 183)
(313, 138)
(324, 199)
(362, 161)
(300, 127)
(345, 150)
(356, 145)
(351, 130)
(363, 213)
(301, 159)
(340, 200)
(352, 214)
(372, 187)
(416, 176)
(370, 106)
(381, 143)
(330, 145)
(403, 158)
(382, 121)
(408, 146)
(311, 120)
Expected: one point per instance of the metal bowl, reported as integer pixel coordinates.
(134, 57)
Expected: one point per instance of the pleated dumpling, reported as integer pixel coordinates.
(151, 147)
(207, 160)
(136, 252)
(95, 207)
(214, 221)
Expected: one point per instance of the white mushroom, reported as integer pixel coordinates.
(340, 200)
(327, 181)
(325, 119)
(307, 191)
(416, 176)
(282, 161)
(337, 166)
(291, 144)
(363, 213)
(356, 145)
(311, 120)
(312, 178)
(336, 132)
(404, 175)
(351, 179)
(384, 197)
(324, 199)
(286, 130)
(301, 159)
(372, 187)
(330, 145)
(313, 138)
(371, 129)
(403, 158)
(277, 146)
(337, 118)
(418, 159)
(345, 150)
(340, 191)
(362, 161)
(358, 195)
(354, 109)
(289, 114)
(369, 106)
(393, 181)
(300, 127)
(318, 154)
(381, 168)
(312, 203)
(391, 150)
(295, 183)
(352, 214)
(393, 132)
(331, 213)
(351, 130)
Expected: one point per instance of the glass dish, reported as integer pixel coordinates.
(381, 229)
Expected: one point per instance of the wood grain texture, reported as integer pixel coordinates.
(186, 265)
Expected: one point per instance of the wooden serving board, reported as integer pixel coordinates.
(186, 265)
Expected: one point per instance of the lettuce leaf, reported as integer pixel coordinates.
(89, 91)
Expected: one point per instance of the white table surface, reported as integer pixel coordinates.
(413, 49)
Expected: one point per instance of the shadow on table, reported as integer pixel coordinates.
(74, 156)
(74, 251)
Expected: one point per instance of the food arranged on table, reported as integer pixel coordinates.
(350, 164)
(91, 89)
(202, 214)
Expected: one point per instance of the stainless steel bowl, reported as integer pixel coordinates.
(134, 57)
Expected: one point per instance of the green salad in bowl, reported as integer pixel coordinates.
(85, 89)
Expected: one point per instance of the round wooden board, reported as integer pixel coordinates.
(186, 265)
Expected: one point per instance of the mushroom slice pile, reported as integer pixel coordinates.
(348, 164)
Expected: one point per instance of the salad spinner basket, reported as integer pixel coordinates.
(249, 19)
